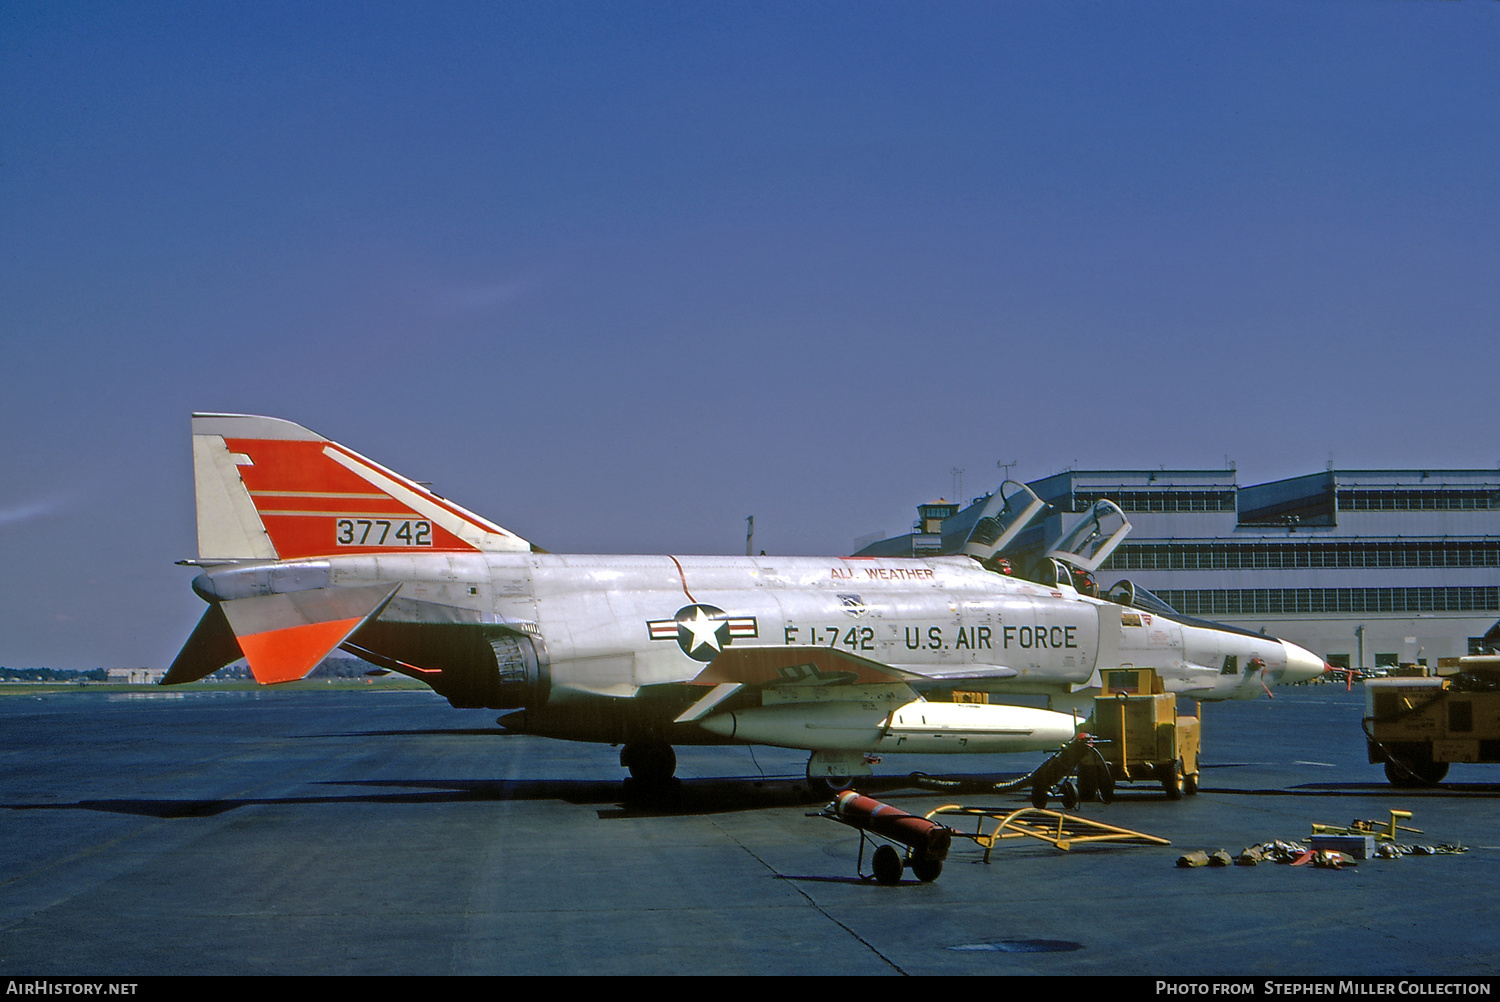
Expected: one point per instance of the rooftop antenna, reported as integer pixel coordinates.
(958, 484)
(750, 535)
(1006, 466)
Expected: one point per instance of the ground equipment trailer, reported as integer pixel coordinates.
(1418, 726)
(1141, 736)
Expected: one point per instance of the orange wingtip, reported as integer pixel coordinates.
(289, 654)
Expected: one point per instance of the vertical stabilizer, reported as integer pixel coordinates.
(269, 489)
(229, 527)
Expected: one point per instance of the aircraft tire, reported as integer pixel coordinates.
(828, 787)
(1171, 779)
(926, 869)
(649, 764)
(886, 864)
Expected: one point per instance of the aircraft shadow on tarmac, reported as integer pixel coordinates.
(690, 797)
(1377, 789)
(614, 799)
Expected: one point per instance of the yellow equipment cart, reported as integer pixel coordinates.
(1417, 726)
(1143, 738)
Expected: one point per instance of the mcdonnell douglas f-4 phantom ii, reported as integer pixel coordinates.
(306, 547)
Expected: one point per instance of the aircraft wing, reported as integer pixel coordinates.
(795, 673)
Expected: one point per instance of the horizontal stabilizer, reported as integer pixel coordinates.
(211, 647)
(285, 636)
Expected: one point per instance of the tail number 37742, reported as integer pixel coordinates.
(382, 532)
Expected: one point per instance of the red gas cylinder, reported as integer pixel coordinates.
(926, 838)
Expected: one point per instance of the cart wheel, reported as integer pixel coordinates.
(1410, 774)
(1069, 795)
(1190, 784)
(887, 865)
(1088, 786)
(1105, 777)
(926, 869)
(1171, 779)
(1039, 797)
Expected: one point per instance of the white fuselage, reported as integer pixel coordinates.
(595, 615)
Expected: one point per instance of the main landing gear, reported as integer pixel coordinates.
(830, 773)
(652, 765)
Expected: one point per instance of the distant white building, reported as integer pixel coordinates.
(134, 676)
(1365, 567)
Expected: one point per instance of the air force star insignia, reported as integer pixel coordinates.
(702, 631)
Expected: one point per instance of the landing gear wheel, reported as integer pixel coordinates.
(887, 865)
(1039, 797)
(828, 787)
(1171, 779)
(1069, 795)
(649, 764)
(926, 869)
(823, 785)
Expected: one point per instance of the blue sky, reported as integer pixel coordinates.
(617, 275)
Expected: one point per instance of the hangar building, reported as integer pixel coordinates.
(1365, 567)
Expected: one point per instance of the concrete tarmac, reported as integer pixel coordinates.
(275, 832)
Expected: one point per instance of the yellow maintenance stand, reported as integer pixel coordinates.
(1143, 738)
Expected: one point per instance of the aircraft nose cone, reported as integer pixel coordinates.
(1302, 665)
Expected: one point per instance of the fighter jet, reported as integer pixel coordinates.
(306, 547)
